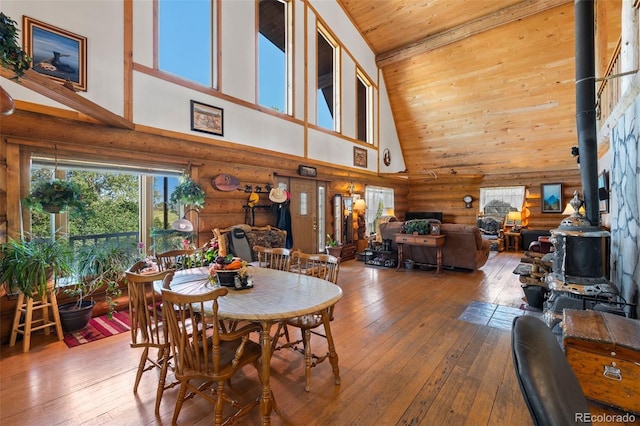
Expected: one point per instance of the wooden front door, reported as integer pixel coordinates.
(304, 214)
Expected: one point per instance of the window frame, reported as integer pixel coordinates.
(362, 79)
(288, 57)
(212, 38)
(372, 195)
(322, 31)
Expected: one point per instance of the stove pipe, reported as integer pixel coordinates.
(586, 106)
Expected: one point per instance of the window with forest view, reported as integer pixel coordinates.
(116, 205)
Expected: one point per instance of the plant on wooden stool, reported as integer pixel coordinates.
(30, 266)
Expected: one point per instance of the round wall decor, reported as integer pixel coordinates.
(386, 156)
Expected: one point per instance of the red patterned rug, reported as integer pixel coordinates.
(99, 328)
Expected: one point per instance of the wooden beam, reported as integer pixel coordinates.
(55, 91)
(501, 17)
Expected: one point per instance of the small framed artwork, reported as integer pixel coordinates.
(307, 171)
(603, 191)
(206, 118)
(551, 197)
(435, 229)
(59, 54)
(359, 157)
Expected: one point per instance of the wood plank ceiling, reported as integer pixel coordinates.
(476, 87)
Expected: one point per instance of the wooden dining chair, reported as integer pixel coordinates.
(205, 353)
(180, 259)
(147, 330)
(273, 257)
(322, 266)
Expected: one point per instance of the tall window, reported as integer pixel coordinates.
(185, 45)
(380, 202)
(273, 55)
(328, 77)
(363, 108)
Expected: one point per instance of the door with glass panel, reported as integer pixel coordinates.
(304, 214)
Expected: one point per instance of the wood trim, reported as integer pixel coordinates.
(55, 91)
(128, 60)
(504, 16)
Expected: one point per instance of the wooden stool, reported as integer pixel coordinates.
(45, 322)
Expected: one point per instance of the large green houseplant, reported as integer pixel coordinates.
(32, 265)
(98, 267)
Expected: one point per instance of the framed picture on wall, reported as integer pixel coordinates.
(59, 54)
(551, 197)
(359, 157)
(206, 118)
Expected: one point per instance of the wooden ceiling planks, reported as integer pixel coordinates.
(487, 103)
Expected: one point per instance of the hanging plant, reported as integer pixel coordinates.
(188, 193)
(55, 196)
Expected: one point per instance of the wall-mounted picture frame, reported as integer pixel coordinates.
(551, 197)
(359, 157)
(603, 191)
(307, 171)
(59, 54)
(207, 118)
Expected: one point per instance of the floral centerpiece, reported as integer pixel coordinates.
(55, 196)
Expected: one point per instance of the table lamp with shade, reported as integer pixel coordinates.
(515, 217)
(360, 207)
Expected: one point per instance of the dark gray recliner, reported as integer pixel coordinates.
(549, 386)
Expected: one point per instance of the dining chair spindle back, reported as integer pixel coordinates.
(180, 259)
(202, 351)
(147, 330)
(273, 257)
(322, 266)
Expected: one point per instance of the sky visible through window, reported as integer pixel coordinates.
(185, 39)
(185, 49)
(272, 71)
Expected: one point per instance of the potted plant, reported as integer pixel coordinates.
(99, 266)
(332, 247)
(188, 193)
(11, 54)
(32, 266)
(55, 196)
(416, 226)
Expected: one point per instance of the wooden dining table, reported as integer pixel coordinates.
(275, 296)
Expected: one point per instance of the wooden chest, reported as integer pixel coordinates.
(603, 350)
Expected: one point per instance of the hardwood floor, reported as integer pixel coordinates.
(404, 356)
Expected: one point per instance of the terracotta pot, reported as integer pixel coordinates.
(334, 251)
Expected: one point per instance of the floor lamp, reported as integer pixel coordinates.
(185, 225)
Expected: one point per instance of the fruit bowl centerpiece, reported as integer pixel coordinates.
(230, 271)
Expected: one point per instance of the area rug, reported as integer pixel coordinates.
(99, 328)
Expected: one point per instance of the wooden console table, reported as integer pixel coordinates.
(435, 241)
